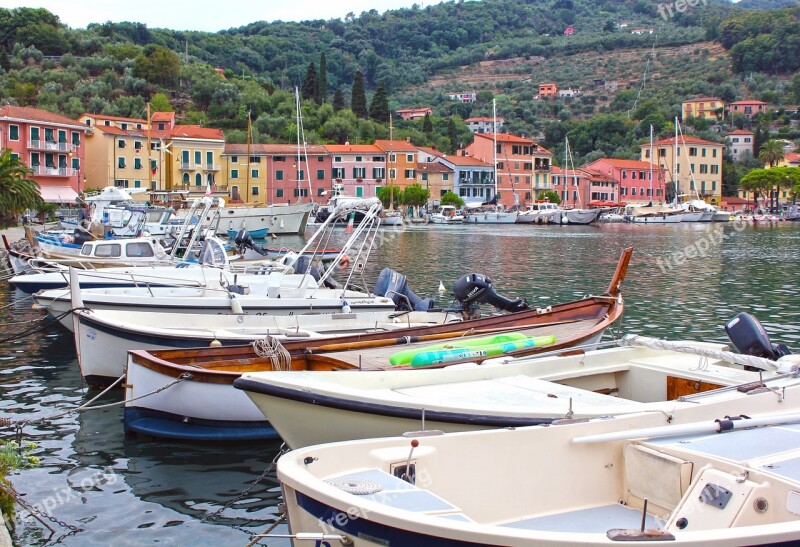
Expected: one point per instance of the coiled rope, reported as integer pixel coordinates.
(358, 487)
(270, 348)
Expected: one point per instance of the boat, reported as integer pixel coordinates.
(311, 290)
(391, 218)
(652, 214)
(576, 215)
(488, 214)
(214, 370)
(540, 212)
(718, 470)
(717, 466)
(505, 391)
(446, 214)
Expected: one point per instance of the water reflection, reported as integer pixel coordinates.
(158, 492)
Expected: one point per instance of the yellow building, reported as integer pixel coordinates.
(703, 107)
(696, 168)
(116, 150)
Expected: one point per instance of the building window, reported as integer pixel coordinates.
(624, 175)
(254, 173)
(445, 176)
(393, 173)
(359, 191)
(320, 191)
(137, 163)
(359, 158)
(703, 152)
(410, 173)
(359, 172)
(703, 169)
(120, 144)
(409, 158)
(186, 179)
(378, 172)
(234, 159)
(279, 174)
(337, 173)
(254, 191)
(714, 153)
(715, 169)
(198, 157)
(320, 174)
(279, 193)
(121, 162)
(137, 184)
(280, 158)
(234, 173)
(198, 179)
(13, 132)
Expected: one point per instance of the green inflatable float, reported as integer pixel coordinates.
(459, 350)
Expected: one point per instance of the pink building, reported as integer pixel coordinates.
(51, 145)
(357, 167)
(636, 181)
(287, 180)
(749, 108)
(573, 186)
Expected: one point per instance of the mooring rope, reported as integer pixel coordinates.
(269, 347)
(684, 347)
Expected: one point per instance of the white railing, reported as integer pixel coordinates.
(212, 167)
(54, 171)
(49, 145)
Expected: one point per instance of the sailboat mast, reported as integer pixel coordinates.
(247, 176)
(297, 123)
(675, 165)
(494, 121)
(566, 164)
(651, 163)
(391, 162)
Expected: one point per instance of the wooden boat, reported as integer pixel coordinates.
(718, 469)
(214, 369)
(317, 408)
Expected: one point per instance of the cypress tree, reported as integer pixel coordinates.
(358, 100)
(379, 109)
(309, 89)
(5, 63)
(451, 133)
(322, 81)
(427, 125)
(338, 100)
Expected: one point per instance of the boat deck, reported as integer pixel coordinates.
(378, 358)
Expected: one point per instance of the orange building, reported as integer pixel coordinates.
(548, 90)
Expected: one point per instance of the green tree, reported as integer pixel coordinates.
(379, 108)
(17, 192)
(771, 152)
(158, 65)
(415, 196)
(322, 81)
(449, 198)
(309, 89)
(338, 100)
(550, 196)
(427, 125)
(5, 64)
(160, 103)
(760, 182)
(358, 98)
(390, 196)
(452, 135)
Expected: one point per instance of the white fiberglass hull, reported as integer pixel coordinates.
(272, 219)
(491, 218)
(658, 219)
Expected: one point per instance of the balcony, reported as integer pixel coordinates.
(541, 167)
(212, 167)
(185, 166)
(51, 146)
(41, 171)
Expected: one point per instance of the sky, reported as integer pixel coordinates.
(205, 15)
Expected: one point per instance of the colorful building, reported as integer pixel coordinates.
(53, 146)
(548, 90)
(748, 108)
(523, 166)
(693, 167)
(401, 163)
(703, 107)
(414, 113)
(483, 124)
(360, 168)
(473, 178)
(633, 181)
(740, 141)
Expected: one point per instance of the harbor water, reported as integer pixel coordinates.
(684, 281)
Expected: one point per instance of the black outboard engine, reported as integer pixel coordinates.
(473, 289)
(750, 338)
(244, 240)
(395, 286)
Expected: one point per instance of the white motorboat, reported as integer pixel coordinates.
(446, 215)
(261, 220)
(720, 470)
(654, 214)
(489, 215)
(516, 392)
(541, 212)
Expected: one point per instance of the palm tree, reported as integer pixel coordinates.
(771, 152)
(17, 191)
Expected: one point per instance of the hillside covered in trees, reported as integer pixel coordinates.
(353, 71)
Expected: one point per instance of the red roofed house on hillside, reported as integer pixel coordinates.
(414, 113)
(53, 146)
(749, 108)
(523, 166)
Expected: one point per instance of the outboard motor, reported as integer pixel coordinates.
(395, 286)
(244, 240)
(473, 289)
(749, 337)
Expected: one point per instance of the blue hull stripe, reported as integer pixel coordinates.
(328, 401)
(165, 425)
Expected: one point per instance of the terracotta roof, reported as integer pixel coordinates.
(424, 109)
(433, 167)
(196, 132)
(353, 148)
(792, 157)
(748, 101)
(703, 100)
(628, 164)
(430, 151)
(395, 146)
(466, 161)
(483, 119)
(163, 117)
(740, 132)
(684, 140)
(504, 137)
(37, 115)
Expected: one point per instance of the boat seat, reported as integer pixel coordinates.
(660, 478)
(595, 520)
